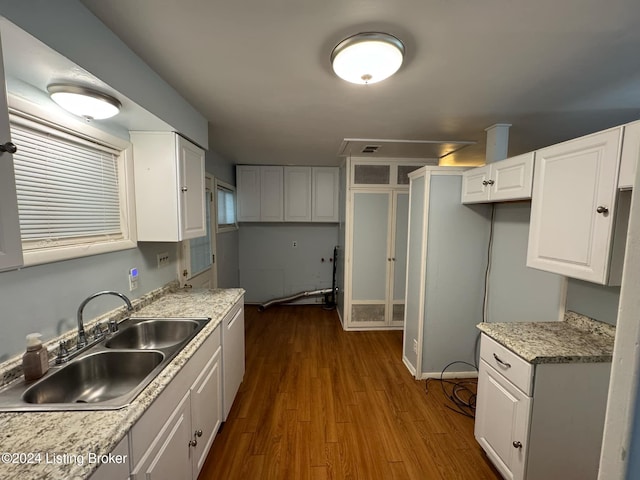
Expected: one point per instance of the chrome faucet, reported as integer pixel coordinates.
(82, 337)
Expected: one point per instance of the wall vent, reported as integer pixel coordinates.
(370, 148)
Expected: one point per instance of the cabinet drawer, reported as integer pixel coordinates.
(511, 366)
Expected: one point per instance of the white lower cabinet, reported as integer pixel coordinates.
(172, 439)
(118, 466)
(542, 421)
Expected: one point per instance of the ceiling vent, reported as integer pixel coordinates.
(370, 148)
(431, 150)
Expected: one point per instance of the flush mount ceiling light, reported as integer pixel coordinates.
(84, 102)
(367, 57)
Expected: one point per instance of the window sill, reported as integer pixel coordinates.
(57, 254)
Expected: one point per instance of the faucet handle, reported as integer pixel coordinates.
(97, 331)
(113, 326)
(63, 352)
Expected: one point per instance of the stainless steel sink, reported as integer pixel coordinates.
(110, 372)
(98, 377)
(154, 333)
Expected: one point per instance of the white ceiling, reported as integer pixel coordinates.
(260, 72)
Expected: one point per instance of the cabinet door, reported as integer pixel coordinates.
(512, 178)
(206, 410)
(271, 194)
(370, 258)
(502, 422)
(248, 193)
(233, 356)
(474, 185)
(10, 243)
(297, 194)
(573, 206)
(325, 194)
(630, 155)
(191, 181)
(168, 457)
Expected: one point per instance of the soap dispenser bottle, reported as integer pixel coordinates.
(35, 361)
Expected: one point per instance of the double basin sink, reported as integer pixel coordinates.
(109, 374)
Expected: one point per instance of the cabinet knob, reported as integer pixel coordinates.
(490, 182)
(602, 209)
(389, 259)
(485, 183)
(194, 442)
(8, 147)
(517, 445)
(184, 189)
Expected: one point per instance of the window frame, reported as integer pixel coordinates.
(227, 227)
(49, 119)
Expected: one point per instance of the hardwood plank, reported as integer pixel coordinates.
(321, 403)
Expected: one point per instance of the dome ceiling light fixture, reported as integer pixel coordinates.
(84, 102)
(367, 57)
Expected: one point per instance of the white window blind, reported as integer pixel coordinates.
(226, 207)
(67, 189)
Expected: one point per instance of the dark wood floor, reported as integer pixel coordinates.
(321, 403)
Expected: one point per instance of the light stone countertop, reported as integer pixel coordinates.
(76, 434)
(577, 339)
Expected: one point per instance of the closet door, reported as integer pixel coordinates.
(371, 260)
(399, 258)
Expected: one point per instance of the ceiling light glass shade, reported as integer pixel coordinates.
(84, 102)
(367, 57)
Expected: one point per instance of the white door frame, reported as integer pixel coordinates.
(207, 278)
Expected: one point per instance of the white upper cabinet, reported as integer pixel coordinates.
(271, 194)
(630, 155)
(169, 185)
(325, 194)
(289, 194)
(248, 193)
(297, 194)
(260, 193)
(574, 206)
(508, 179)
(10, 243)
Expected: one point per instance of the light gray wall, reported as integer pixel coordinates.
(271, 267)
(71, 29)
(518, 293)
(228, 259)
(220, 167)
(457, 242)
(45, 298)
(593, 300)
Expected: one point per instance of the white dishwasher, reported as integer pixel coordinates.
(232, 355)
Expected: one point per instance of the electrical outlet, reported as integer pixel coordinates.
(163, 259)
(415, 346)
(294, 244)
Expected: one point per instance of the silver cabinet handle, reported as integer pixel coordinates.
(501, 362)
(602, 209)
(517, 445)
